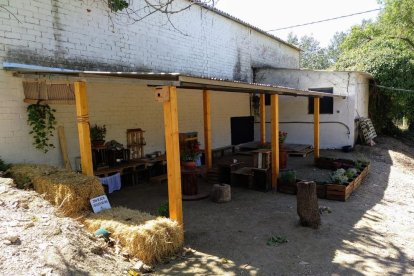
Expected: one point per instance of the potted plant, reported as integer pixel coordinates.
(190, 154)
(283, 156)
(98, 134)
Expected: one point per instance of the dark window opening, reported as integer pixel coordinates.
(326, 103)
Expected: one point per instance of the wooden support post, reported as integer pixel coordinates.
(173, 154)
(207, 129)
(82, 113)
(262, 119)
(316, 127)
(275, 138)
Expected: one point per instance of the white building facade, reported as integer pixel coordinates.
(338, 116)
(80, 35)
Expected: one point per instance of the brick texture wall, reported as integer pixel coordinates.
(79, 35)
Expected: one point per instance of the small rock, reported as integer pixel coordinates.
(303, 263)
(30, 224)
(13, 239)
(141, 267)
(97, 250)
(46, 271)
(23, 205)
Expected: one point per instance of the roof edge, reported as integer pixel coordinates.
(244, 23)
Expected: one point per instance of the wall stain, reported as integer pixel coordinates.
(26, 56)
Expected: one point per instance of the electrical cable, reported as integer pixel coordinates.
(324, 20)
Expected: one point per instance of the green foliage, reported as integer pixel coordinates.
(4, 166)
(163, 210)
(288, 176)
(118, 5)
(384, 49)
(98, 132)
(339, 177)
(276, 241)
(314, 56)
(42, 120)
(351, 173)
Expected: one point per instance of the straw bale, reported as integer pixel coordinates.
(144, 236)
(68, 190)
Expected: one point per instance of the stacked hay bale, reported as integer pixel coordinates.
(148, 238)
(69, 191)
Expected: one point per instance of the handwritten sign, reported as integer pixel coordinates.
(100, 203)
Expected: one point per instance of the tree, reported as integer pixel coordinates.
(384, 48)
(313, 55)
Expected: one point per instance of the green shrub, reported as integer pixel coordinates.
(4, 166)
(163, 210)
(339, 176)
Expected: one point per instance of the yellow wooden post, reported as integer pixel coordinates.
(316, 127)
(275, 138)
(82, 114)
(262, 119)
(173, 154)
(207, 129)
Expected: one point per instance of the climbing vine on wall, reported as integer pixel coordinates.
(42, 120)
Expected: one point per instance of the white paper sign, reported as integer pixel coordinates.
(100, 203)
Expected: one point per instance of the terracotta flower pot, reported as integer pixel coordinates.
(189, 165)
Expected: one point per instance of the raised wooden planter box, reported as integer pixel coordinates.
(332, 191)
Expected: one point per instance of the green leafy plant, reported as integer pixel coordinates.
(276, 241)
(3, 166)
(191, 151)
(339, 176)
(282, 136)
(288, 176)
(98, 132)
(118, 5)
(351, 172)
(163, 210)
(42, 120)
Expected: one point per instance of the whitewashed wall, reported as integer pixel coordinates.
(79, 35)
(337, 129)
(119, 107)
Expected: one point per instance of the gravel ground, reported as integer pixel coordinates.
(370, 234)
(35, 240)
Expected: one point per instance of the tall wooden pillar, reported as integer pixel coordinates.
(207, 129)
(316, 127)
(262, 119)
(173, 153)
(82, 113)
(275, 138)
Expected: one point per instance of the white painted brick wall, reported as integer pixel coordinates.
(333, 135)
(64, 34)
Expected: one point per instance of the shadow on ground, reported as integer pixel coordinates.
(369, 234)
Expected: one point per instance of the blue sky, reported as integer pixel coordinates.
(272, 14)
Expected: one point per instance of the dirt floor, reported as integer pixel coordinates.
(370, 234)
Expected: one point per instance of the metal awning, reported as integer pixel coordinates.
(158, 79)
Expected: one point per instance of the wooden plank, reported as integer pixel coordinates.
(64, 147)
(207, 129)
(82, 114)
(262, 119)
(275, 138)
(173, 155)
(316, 123)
